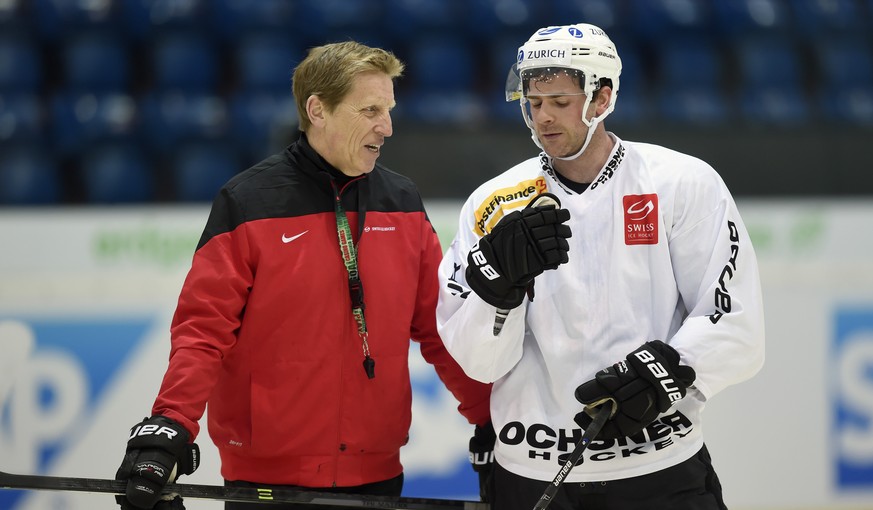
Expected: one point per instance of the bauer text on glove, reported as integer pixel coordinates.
(158, 452)
(642, 386)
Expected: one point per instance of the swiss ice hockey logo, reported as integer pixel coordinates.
(640, 219)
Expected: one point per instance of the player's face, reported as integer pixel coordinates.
(555, 105)
(356, 129)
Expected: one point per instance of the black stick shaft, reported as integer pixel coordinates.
(589, 435)
(265, 495)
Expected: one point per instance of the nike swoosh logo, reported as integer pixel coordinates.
(287, 240)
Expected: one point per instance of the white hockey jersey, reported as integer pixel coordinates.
(658, 252)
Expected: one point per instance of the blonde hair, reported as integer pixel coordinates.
(328, 72)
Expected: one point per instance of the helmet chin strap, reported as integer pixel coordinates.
(592, 124)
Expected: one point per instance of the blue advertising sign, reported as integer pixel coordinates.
(852, 372)
(46, 397)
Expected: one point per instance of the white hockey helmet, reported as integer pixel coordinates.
(582, 49)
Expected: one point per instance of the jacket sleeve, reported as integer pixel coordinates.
(716, 270)
(466, 322)
(207, 316)
(474, 396)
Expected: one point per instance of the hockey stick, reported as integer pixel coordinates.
(240, 494)
(590, 433)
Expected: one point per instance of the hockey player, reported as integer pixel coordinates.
(315, 269)
(640, 292)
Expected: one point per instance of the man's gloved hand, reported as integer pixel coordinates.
(522, 245)
(482, 459)
(157, 453)
(643, 386)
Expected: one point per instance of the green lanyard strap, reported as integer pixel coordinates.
(356, 287)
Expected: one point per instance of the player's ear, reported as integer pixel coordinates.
(604, 95)
(315, 110)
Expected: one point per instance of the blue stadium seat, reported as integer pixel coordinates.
(21, 66)
(143, 20)
(632, 105)
(406, 19)
(737, 18)
(845, 61)
(117, 174)
(200, 170)
(15, 17)
(771, 88)
(845, 65)
(169, 119)
(29, 176)
(769, 61)
(442, 84)
(852, 105)
(262, 123)
(503, 56)
(691, 82)
(80, 120)
(690, 61)
(55, 21)
(448, 108)
(96, 63)
(697, 106)
(828, 16)
(337, 19)
(231, 19)
(442, 63)
(633, 72)
(776, 106)
(606, 14)
(484, 18)
(185, 61)
(21, 119)
(265, 62)
(651, 19)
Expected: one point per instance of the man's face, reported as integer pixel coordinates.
(356, 129)
(555, 103)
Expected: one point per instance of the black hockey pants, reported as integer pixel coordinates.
(690, 485)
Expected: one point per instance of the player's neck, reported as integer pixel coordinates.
(587, 166)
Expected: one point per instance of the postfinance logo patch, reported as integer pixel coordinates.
(498, 203)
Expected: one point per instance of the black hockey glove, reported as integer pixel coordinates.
(157, 453)
(643, 386)
(482, 459)
(522, 245)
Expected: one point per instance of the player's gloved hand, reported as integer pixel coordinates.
(482, 459)
(157, 453)
(522, 245)
(643, 386)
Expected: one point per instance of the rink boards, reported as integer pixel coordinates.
(86, 297)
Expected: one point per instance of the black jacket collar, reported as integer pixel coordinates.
(312, 163)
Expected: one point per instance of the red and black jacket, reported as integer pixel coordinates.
(264, 331)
